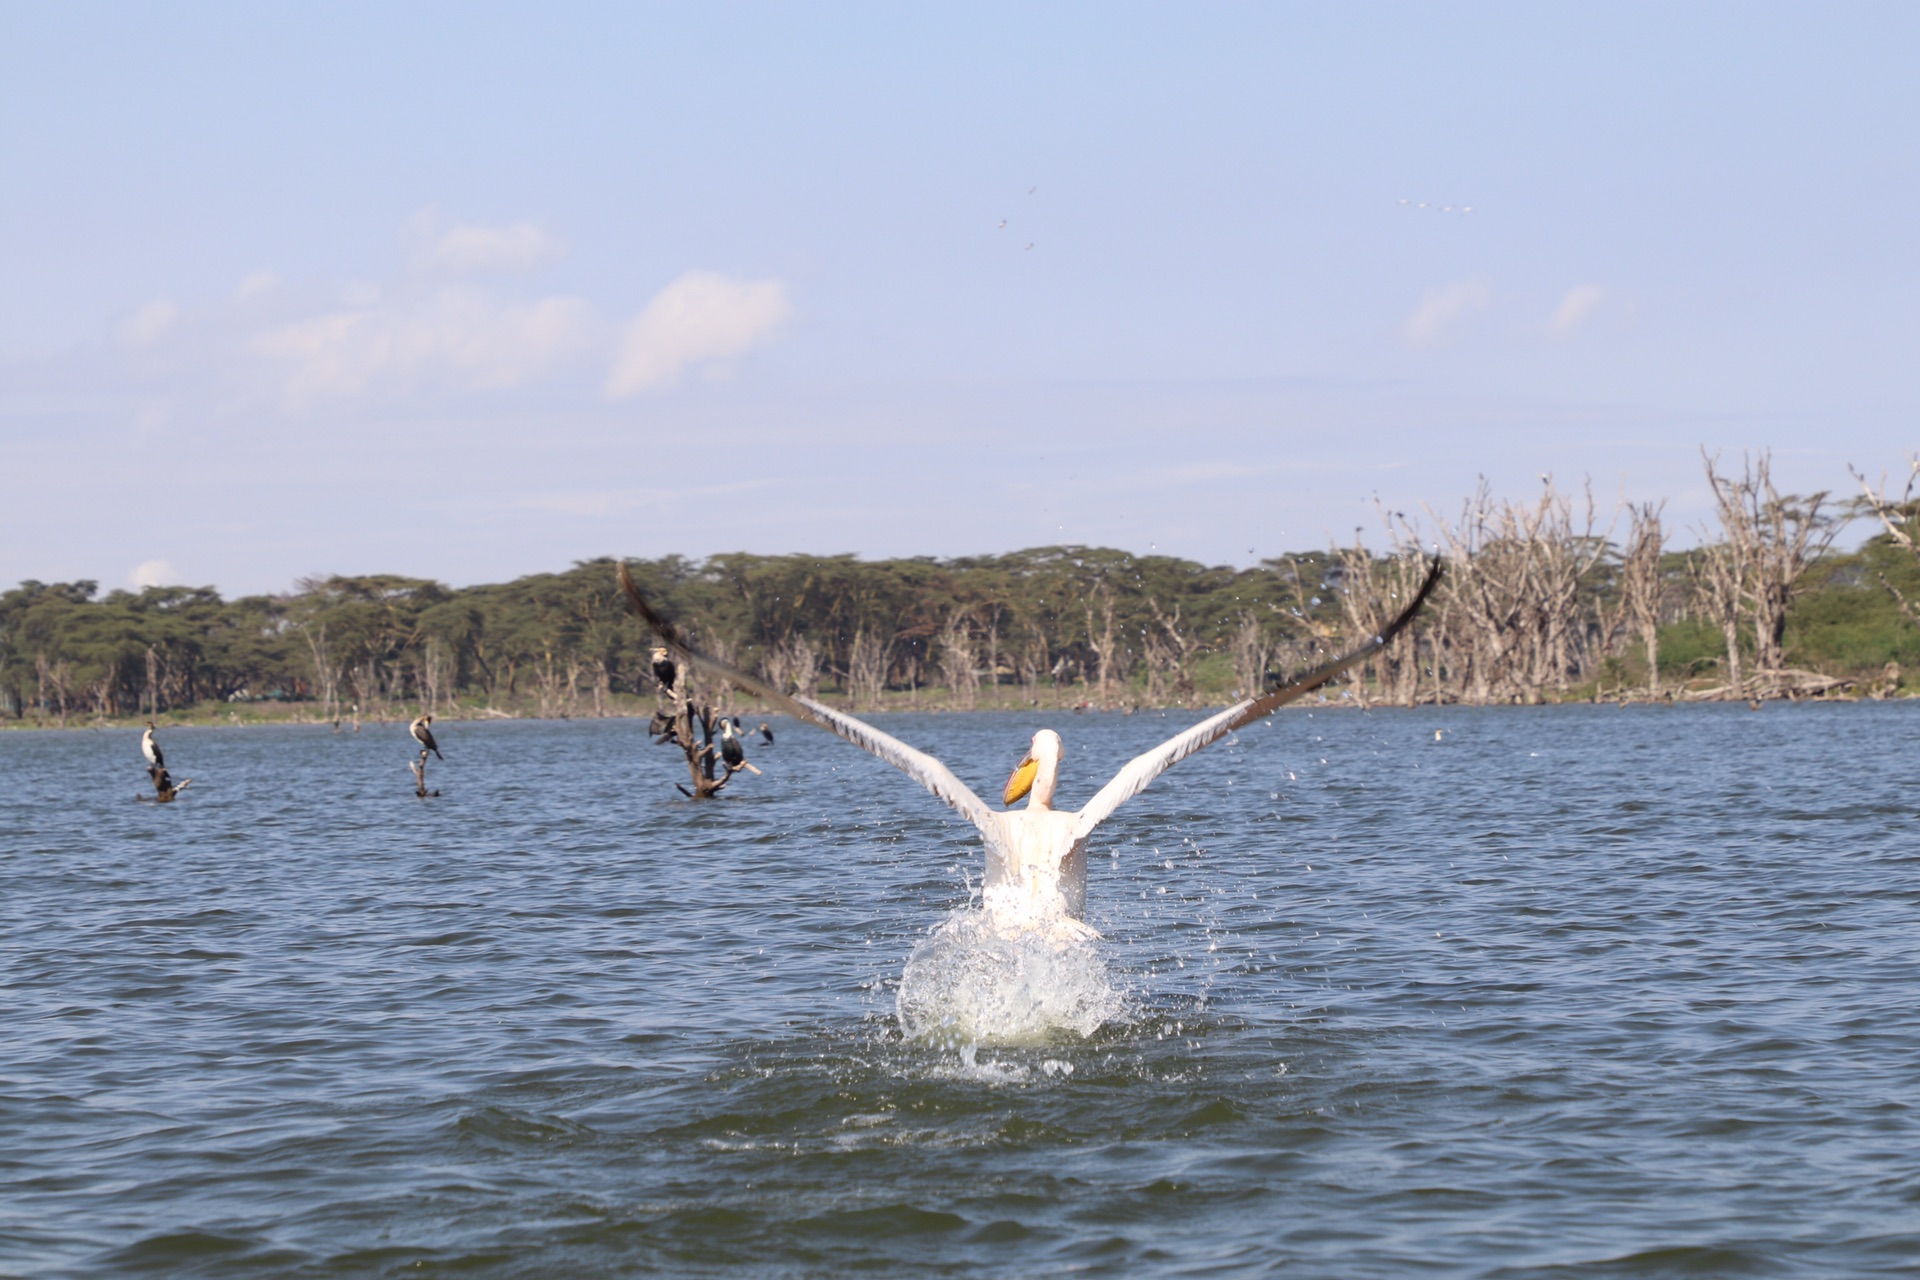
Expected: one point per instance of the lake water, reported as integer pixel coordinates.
(1574, 991)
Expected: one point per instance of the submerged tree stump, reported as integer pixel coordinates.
(419, 768)
(164, 787)
(697, 729)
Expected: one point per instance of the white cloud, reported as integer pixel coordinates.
(256, 285)
(700, 319)
(150, 323)
(1576, 309)
(1443, 310)
(465, 250)
(153, 573)
(455, 337)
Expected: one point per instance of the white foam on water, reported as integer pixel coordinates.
(981, 977)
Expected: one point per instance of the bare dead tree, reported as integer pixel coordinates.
(365, 678)
(1720, 574)
(1033, 661)
(57, 677)
(793, 665)
(1372, 592)
(1777, 537)
(991, 656)
(1169, 653)
(602, 687)
(432, 672)
(326, 670)
(1110, 663)
(1642, 588)
(959, 662)
(867, 661)
(1517, 577)
(1252, 652)
(1897, 516)
(547, 682)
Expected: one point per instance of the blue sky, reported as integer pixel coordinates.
(467, 291)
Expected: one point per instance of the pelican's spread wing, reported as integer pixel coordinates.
(1147, 766)
(918, 765)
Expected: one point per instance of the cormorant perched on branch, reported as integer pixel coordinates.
(663, 669)
(151, 749)
(766, 734)
(424, 736)
(730, 749)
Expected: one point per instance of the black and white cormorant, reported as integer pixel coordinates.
(730, 749)
(151, 749)
(663, 669)
(423, 735)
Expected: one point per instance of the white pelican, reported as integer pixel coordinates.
(1037, 857)
(151, 749)
(423, 735)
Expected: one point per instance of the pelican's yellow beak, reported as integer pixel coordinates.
(1022, 780)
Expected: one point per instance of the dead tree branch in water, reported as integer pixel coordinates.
(683, 721)
(164, 787)
(419, 768)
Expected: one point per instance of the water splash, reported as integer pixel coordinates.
(980, 977)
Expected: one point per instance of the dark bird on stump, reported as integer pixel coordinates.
(663, 669)
(151, 749)
(766, 734)
(424, 735)
(730, 749)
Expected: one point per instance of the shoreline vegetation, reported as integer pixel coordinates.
(1544, 601)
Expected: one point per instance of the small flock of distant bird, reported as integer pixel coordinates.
(667, 672)
(421, 731)
(1003, 221)
(1437, 208)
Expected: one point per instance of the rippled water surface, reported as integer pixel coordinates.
(1572, 991)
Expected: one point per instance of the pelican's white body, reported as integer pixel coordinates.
(1037, 856)
(1036, 868)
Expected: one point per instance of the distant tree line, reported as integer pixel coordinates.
(1543, 601)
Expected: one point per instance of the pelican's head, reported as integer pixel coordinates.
(1038, 772)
